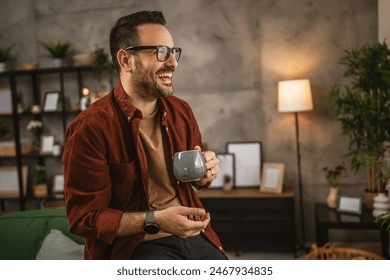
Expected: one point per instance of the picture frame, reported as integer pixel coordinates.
(272, 177)
(227, 168)
(46, 145)
(248, 162)
(350, 204)
(9, 181)
(50, 101)
(58, 184)
(5, 101)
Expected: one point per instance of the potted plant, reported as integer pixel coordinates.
(35, 126)
(227, 182)
(333, 177)
(363, 107)
(102, 66)
(384, 166)
(39, 180)
(5, 55)
(58, 51)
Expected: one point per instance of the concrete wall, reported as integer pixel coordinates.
(383, 20)
(234, 53)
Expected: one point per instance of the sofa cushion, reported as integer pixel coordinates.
(57, 246)
(22, 233)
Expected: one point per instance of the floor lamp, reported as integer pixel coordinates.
(295, 96)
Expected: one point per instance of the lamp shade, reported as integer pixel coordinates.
(294, 96)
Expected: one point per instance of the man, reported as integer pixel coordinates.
(121, 195)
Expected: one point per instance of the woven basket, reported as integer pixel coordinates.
(330, 252)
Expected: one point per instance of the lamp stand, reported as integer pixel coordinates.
(302, 244)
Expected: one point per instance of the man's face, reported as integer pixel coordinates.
(152, 78)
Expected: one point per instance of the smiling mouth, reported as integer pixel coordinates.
(166, 77)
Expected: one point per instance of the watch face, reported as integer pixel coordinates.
(151, 228)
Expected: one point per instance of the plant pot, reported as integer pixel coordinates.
(332, 198)
(40, 190)
(58, 62)
(368, 198)
(227, 186)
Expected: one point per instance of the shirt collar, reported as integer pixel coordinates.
(129, 110)
(124, 103)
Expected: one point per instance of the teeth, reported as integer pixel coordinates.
(165, 75)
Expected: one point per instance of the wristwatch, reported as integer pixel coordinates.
(150, 226)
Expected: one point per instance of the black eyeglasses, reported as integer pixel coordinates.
(162, 52)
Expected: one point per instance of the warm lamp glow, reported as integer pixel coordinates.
(85, 91)
(294, 96)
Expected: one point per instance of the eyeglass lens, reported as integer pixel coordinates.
(163, 53)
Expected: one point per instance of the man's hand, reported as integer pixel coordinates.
(182, 221)
(212, 167)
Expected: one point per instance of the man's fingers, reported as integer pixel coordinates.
(188, 211)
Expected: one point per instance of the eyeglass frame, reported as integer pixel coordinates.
(172, 51)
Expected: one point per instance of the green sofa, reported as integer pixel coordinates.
(38, 234)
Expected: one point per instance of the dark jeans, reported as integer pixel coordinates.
(176, 248)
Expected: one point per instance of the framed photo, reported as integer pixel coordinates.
(350, 204)
(47, 144)
(226, 164)
(51, 100)
(5, 101)
(9, 181)
(247, 156)
(58, 184)
(272, 177)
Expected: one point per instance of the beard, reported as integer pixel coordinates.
(146, 85)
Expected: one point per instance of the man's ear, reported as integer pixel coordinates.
(125, 61)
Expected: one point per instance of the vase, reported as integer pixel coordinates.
(380, 205)
(331, 199)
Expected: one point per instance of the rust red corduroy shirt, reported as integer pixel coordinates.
(106, 172)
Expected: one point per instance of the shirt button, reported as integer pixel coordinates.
(220, 248)
(128, 118)
(167, 129)
(165, 114)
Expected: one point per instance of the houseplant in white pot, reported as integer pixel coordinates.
(58, 51)
(363, 106)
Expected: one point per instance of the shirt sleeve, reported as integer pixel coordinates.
(88, 184)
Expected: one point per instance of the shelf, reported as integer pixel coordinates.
(243, 193)
(58, 119)
(41, 71)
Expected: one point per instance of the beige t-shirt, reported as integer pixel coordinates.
(161, 188)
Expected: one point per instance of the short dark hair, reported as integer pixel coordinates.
(125, 32)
